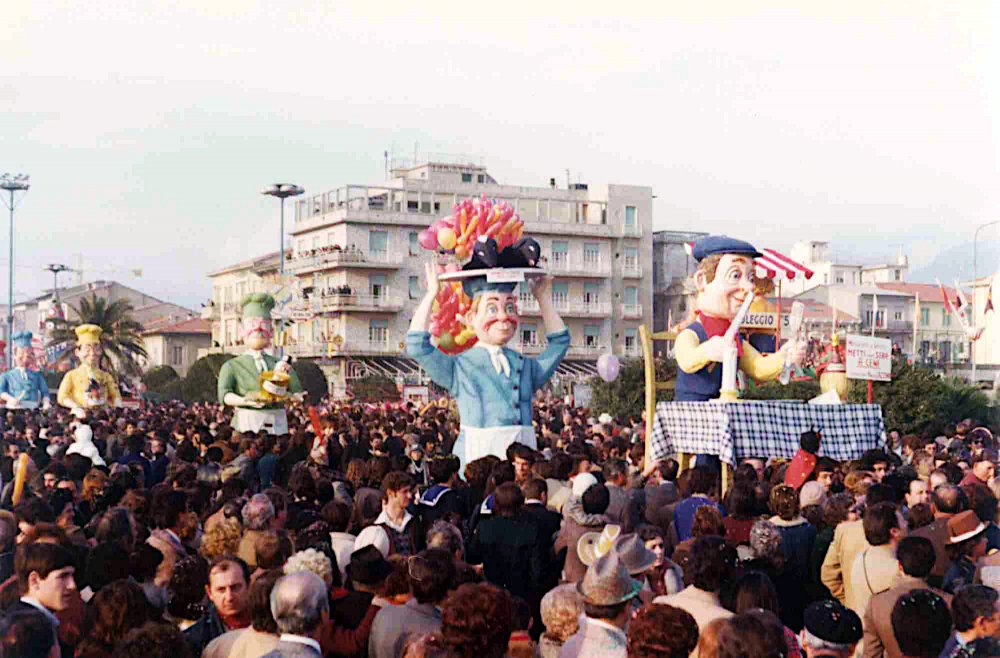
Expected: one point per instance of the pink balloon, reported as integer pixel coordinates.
(428, 239)
(608, 367)
(452, 267)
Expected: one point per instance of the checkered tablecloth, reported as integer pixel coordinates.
(764, 429)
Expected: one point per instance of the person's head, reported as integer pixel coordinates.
(446, 536)
(701, 481)
(615, 472)
(722, 282)
(921, 623)
(299, 603)
(494, 316)
(749, 635)
(27, 634)
(561, 608)
(272, 548)
(984, 468)
(508, 500)
(596, 499)
(876, 462)
(652, 538)
(88, 345)
(476, 621)
(754, 589)
(784, 502)
(338, 514)
(825, 470)
(917, 493)
(168, 509)
(976, 608)
(397, 490)
(45, 572)
(882, 524)
(948, 499)
(8, 531)
(662, 631)
(915, 556)
(443, 468)
(765, 541)
(708, 565)
(981, 501)
(431, 574)
(707, 522)
(228, 585)
(523, 458)
(535, 489)
(258, 513)
(154, 640)
(223, 538)
(313, 561)
(742, 501)
(829, 629)
(116, 609)
(260, 601)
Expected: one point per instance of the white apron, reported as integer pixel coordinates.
(272, 421)
(476, 442)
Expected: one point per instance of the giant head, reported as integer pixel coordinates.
(88, 345)
(493, 315)
(23, 353)
(256, 329)
(725, 275)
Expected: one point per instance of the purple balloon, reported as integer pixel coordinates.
(608, 367)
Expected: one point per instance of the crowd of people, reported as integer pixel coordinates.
(141, 533)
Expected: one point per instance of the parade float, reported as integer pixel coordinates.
(88, 387)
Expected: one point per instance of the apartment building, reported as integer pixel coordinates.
(359, 268)
(672, 267)
(813, 254)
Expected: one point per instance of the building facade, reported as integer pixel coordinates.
(359, 267)
(813, 255)
(672, 267)
(177, 344)
(229, 285)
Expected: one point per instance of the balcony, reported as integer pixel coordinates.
(562, 264)
(632, 311)
(591, 351)
(631, 352)
(357, 347)
(634, 231)
(334, 301)
(377, 260)
(581, 307)
(631, 269)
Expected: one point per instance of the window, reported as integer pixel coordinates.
(630, 216)
(411, 206)
(898, 316)
(591, 253)
(378, 242)
(631, 296)
(630, 340)
(466, 178)
(879, 319)
(925, 317)
(176, 355)
(414, 287)
(945, 317)
(529, 333)
(378, 331)
(414, 243)
(560, 252)
(560, 292)
(631, 258)
(315, 242)
(331, 239)
(591, 292)
(840, 277)
(592, 335)
(376, 285)
(897, 275)
(480, 178)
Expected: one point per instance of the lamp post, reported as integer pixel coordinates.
(282, 191)
(12, 183)
(56, 269)
(975, 278)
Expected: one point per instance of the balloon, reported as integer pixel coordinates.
(428, 239)
(446, 238)
(452, 267)
(608, 367)
(445, 341)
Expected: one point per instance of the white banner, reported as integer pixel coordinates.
(869, 358)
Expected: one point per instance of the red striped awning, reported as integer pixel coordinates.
(772, 263)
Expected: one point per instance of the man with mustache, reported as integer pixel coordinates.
(239, 377)
(493, 384)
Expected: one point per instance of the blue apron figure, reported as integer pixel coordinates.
(21, 387)
(493, 384)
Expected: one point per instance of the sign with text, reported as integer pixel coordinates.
(765, 320)
(869, 358)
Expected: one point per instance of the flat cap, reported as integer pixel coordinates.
(722, 244)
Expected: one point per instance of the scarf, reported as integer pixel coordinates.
(718, 327)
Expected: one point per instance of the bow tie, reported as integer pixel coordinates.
(499, 359)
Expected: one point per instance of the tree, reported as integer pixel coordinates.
(375, 388)
(121, 340)
(158, 377)
(312, 378)
(626, 395)
(804, 390)
(202, 381)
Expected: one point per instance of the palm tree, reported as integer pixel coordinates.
(121, 340)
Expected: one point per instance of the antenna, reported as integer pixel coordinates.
(385, 156)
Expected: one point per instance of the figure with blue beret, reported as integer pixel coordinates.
(723, 281)
(493, 384)
(23, 387)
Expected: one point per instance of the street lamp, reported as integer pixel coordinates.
(975, 277)
(12, 183)
(56, 269)
(282, 191)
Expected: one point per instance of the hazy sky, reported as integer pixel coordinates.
(148, 131)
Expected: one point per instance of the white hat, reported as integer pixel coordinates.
(582, 482)
(83, 433)
(605, 418)
(375, 536)
(593, 545)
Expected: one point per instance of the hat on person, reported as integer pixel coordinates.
(722, 244)
(373, 536)
(812, 493)
(21, 339)
(368, 566)
(257, 305)
(831, 622)
(88, 334)
(964, 525)
(605, 418)
(582, 482)
(487, 257)
(593, 545)
(633, 552)
(607, 582)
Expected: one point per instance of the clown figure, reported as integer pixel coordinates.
(22, 386)
(87, 386)
(493, 384)
(240, 378)
(724, 279)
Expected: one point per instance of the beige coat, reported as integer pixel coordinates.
(879, 638)
(874, 571)
(848, 541)
(244, 643)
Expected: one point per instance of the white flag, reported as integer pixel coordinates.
(874, 313)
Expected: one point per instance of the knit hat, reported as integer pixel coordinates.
(582, 482)
(831, 622)
(812, 493)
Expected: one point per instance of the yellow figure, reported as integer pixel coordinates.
(87, 386)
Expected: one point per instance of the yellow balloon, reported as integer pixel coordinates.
(446, 238)
(445, 341)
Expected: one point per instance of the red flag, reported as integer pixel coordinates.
(944, 295)
(317, 427)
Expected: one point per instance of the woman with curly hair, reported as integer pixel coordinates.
(222, 539)
(188, 583)
(561, 610)
(115, 610)
(662, 631)
(476, 622)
